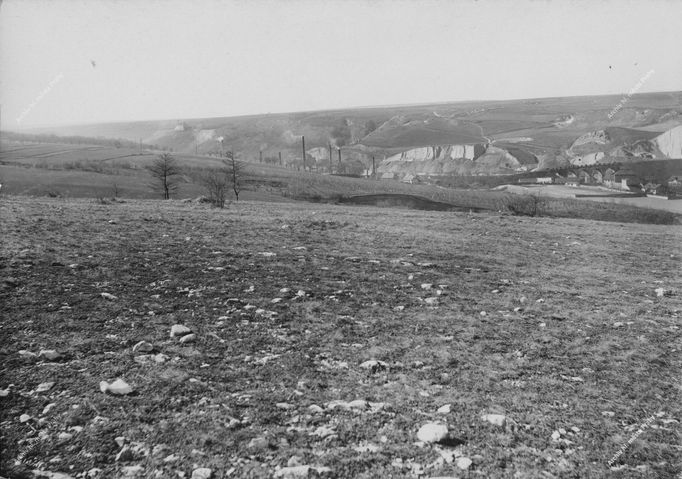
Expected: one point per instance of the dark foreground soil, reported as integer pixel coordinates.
(552, 326)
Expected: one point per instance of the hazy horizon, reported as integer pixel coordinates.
(69, 63)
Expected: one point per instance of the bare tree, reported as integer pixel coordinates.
(216, 182)
(236, 171)
(165, 172)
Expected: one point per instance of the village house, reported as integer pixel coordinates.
(626, 179)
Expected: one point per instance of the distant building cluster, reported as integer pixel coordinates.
(623, 179)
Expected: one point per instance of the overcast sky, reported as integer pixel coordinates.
(83, 61)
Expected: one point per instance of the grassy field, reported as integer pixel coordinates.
(553, 326)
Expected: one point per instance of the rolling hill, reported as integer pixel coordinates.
(507, 136)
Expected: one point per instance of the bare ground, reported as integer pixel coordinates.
(575, 348)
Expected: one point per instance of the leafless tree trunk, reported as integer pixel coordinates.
(165, 173)
(235, 171)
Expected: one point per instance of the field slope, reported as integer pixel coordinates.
(554, 324)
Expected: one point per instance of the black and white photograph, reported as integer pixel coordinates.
(340, 239)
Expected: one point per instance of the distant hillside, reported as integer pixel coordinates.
(508, 136)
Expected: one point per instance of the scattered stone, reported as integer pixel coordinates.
(523, 299)
(118, 387)
(483, 313)
(48, 408)
(131, 471)
(660, 292)
(358, 404)
(161, 358)
(284, 405)
(24, 418)
(426, 286)
(50, 475)
(618, 324)
(64, 437)
(49, 354)
(188, 338)
(202, 473)
(432, 301)
(366, 448)
(258, 443)
(93, 473)
(143, 347)
(608, 413)
(374, 366)
(292, 472)
(463, 463)
(179, 330)
(445, 409)
(315, 409)
(120, 440)
(495, 419)
(556, 435)
(26, 354)
(432, 432)
(324, 431)
(44, 387)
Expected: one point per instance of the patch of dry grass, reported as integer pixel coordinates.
(590, 336)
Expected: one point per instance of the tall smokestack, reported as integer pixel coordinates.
(280, 158)
(303, 147)
(330, 157)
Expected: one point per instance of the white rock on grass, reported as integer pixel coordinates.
(292, 472)
(179, 330)
(188, 338)
(495, 419)
(143, 347)
(432, 301)
(432, 432)
(49, 354)
(44, 387)
(445, 409)
(24, 418)
(258, 443)
(132, 471)
(660, 292)
(108, 296)
(118, 387)
(297, 472)
(463, 463)
(202, 473)
(48, 408)
(27, 354)
(37, 473)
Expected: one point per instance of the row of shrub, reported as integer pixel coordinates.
(533, 205)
